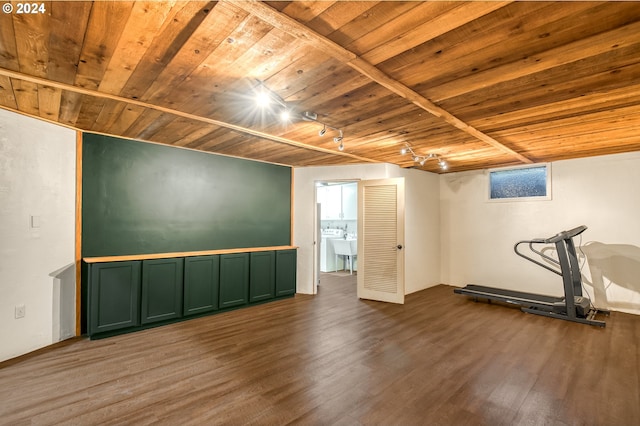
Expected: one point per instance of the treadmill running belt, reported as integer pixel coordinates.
(507, 295)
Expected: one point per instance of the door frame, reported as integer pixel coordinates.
(317, 238)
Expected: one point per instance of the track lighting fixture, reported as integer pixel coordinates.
(266, 99)
(312, 116)
(422, 159)
(309, 116)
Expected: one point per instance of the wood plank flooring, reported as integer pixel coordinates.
(332, 359)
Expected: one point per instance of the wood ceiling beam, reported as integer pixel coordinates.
(291, 26)
(89, 92)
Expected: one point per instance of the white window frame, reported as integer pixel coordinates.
(547, 197)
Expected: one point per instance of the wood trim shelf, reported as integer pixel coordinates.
(182, 254)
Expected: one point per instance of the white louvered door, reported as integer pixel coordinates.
(381, 240)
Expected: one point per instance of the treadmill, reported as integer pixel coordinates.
(572, 307)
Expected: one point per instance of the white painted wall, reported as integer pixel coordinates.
(422, 257)
(37, 178)
(602, 193)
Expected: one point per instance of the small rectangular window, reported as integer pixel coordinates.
(520, 183)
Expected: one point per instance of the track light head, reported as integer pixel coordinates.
(263, 99)
(338, 139)
(312, 116)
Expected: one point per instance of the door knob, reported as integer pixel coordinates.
(399, 246)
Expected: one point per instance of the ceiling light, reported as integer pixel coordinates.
(263, 99)
(422, 159)
(312, 116)
(339, 138)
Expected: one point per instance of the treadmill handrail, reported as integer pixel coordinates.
(567, 235)
(541, 254)
(537, 262)
(564, 235)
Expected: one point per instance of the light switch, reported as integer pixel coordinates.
(35, 222)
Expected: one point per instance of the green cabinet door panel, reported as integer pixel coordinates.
(285, 272)
(201, 284)
(161, 290)
(262, 276)
(234, 279)
(114, 294)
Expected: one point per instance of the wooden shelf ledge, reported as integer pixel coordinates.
(182, 254)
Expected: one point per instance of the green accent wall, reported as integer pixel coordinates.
(143, 198)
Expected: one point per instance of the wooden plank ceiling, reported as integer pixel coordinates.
(478, 84)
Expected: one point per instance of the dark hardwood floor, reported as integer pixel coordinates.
(332, 359)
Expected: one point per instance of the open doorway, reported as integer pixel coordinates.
(336, 226)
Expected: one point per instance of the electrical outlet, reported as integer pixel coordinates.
(20, 311)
